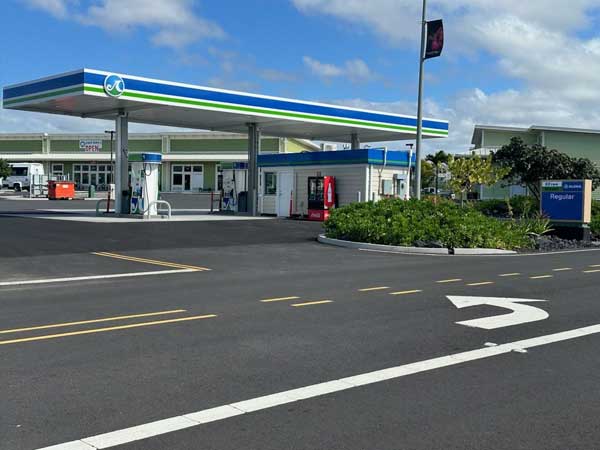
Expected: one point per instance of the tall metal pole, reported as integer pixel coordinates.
(112, 132)
(417, 185)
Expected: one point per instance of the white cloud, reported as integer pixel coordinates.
(174, 21)
(171, 23)
(355, 69)
(534, 42)
(57, 8)
(322, 69)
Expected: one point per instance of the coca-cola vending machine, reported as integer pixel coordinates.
(321, 197)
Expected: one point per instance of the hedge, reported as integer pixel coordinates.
(421, 222)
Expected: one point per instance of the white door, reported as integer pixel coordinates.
(285, 184)
(197, 182)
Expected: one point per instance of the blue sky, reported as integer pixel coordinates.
(506, 62)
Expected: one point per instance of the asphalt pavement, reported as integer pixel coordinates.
(160, 326)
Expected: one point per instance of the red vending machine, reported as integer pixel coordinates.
(321, 197)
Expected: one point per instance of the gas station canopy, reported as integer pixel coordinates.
(104, 95)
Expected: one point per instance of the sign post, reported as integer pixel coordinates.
(568, 205)
(432, 44)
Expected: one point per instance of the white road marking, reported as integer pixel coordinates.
(145, 431)
(95, 277)
(520, 313)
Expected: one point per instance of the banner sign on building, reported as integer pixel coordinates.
(567, 200)
(90, 145)
(435, 39)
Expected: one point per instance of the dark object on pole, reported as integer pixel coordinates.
(435, 39)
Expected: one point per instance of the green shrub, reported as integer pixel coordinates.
(595, 224)
(398, 222)
(518, 206)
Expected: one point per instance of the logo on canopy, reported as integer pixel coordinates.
(114, 85)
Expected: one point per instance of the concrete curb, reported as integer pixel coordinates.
(415, 250)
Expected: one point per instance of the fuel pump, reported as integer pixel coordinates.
(144, 183)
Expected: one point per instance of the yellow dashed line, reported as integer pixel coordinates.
(562, 269)
(150, 261)
(320, 302)
(513, 274)
(539, 277)
(84, 322)
(591, 271)
(279, 299)
(378, 288)
(103, 330)
(451, 280)
(481, 283)
(414, 291)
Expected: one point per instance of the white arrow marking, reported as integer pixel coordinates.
(520, 313)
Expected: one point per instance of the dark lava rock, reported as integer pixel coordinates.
(554, 243)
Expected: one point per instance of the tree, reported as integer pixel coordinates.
(427, 174)
(438, 160)
(5, 170)
(466, 172)
(530, 164)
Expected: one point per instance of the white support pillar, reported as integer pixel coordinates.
(355, 142)
(253, 152)
(122, 165)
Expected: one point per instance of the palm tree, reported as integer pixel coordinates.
(441, 157)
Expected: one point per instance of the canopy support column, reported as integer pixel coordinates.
(355, 142)
(253, 152)
(122, 165)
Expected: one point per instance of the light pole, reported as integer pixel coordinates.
(111, 132)
(417, 180)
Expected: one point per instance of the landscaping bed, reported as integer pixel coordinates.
(423, 223)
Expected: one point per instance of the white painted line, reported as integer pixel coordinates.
(144, 431)
(214, 414)
(562, 269)
(95, 277)
(513, 274)
(73, 445)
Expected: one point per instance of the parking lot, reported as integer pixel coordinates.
(195, 333)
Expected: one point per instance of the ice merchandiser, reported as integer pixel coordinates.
(321, 197)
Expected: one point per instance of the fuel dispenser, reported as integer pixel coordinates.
(321, 197)
(144, 183)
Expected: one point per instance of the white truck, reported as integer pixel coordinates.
(21, 175)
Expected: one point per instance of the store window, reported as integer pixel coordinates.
(270, 183)
(57, 170)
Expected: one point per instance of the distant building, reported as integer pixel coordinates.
(579, 143)
(192, 161)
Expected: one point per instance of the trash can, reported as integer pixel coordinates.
(61, 190)
(242, 205)
(91, 191)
